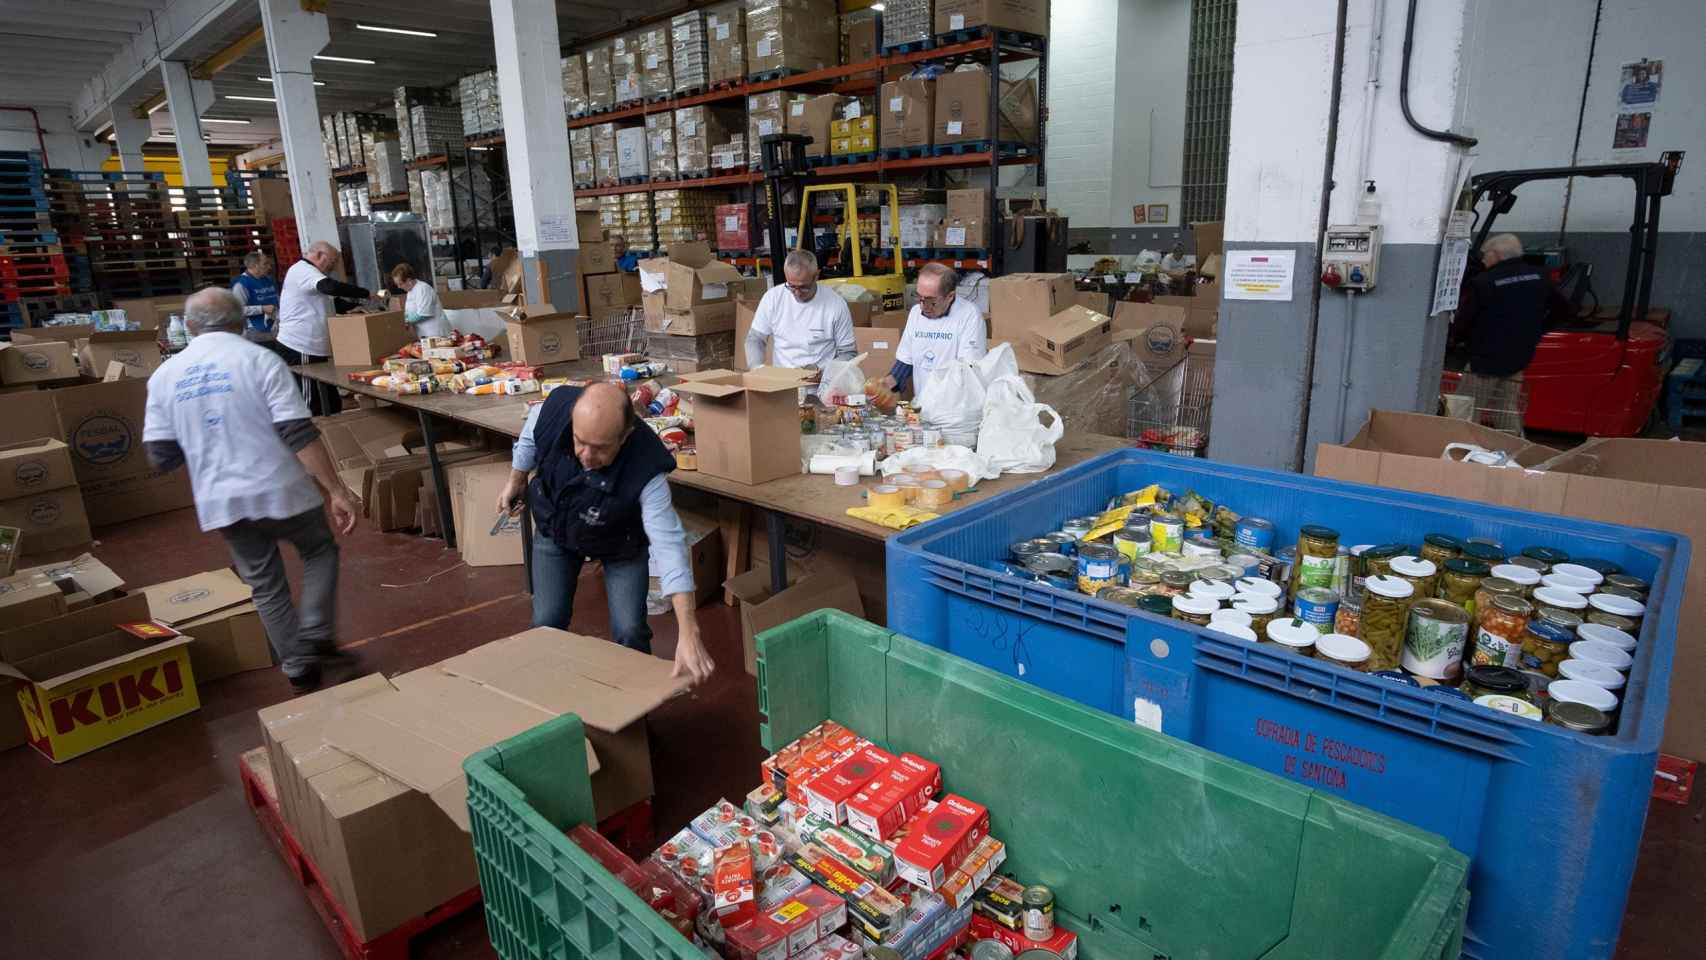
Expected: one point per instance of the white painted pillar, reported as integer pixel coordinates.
(130, 132)
(188, 99)
(293, 36)
(536, 139)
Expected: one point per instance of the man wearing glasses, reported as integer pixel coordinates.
(808, 325)
(940, 329)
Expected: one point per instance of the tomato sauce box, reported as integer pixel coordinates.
(723, 824)
(831, 909)
(797, 919)
(757, 939)
(686, 855)
(833, 947)
(732, 885)
(827, 793)
(962, 885)
(764, 803)
(885, 804)
(1063, 944)
(942, 839)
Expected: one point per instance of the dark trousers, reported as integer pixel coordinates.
(300, 634)
(322, 398)
(557, 571)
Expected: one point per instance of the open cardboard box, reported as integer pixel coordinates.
(746, 425)
(690, 275)
(216, 609)
(364, 339)
(1020, 301)
(540, 334)
(137, 350)
(36, 361)
(761, 610)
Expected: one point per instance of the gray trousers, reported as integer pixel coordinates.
(297, 638)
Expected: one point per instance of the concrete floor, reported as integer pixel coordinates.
(146, 848)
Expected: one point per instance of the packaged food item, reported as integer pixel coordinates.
(686, 855)
(873, 908)
(1460, 579)
(1001, 899)
(764, 803)
(832, 947)
(1166, 533)
(1063, 944)
(778, 884)
(1545, 645)
(723, 824)
(1580, 691)
(1618, 606)
(1098, 566)
(870, 857)
(733, 885)
(1437, 548)
(1422, 574)
(1254, 533)
(963, 883)
(1482, 680)
(1294, 636)
(1580, 717)
(882, 806)
(1499, 629)
(951, 830)
(1526, 578)
(1549, 556)
(1385, 616)
(1194, 610)
(757, 939)
(1346, 651)
(1434, 639)
(1348, 619)
(1554, 600)
(1515, 706)
(1317, 606)
(1317, 559)
(828, 793)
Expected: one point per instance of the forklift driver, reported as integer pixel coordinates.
(1505, 309)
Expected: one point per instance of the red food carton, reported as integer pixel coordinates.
(1063, 944)
(757, 939)
(935, 846)
(734, 234)
(885, 804)
(732, 885)
(798, 920)
(827, 793)
(831, 909)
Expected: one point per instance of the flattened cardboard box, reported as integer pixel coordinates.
(474, 489)
(216, 610)
(878, 344)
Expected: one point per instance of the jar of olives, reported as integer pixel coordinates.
(1385, 611)
(1347, 620)
(1173, 583)
(1549, 556)
(1377, 561)
(1262, 609)
(1194, 610)
(1459, 581)
(1496, 586)
(1549, 600)
(1578, 717)
(1143, 580)
(1482, 680)
(1631, 610)
(1627, 582)
(1611, 620)
(1500, 627)
(1488, 553)
(1538, 566)
(1422, 574)
(1346, 651)
(1296, 636)
(1437, 548)
(1317, 559)
(1545, 645)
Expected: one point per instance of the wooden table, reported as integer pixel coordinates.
(814, 498)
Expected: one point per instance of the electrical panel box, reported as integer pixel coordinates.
(1350, 257)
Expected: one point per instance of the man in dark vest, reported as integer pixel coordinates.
(600, 491)
(258, 293)
(1505, 309)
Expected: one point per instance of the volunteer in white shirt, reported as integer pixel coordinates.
(304, 302)
(226, 408)
(808, 324)
(940, 329)
(421, 309)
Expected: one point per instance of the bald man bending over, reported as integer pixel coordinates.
(600, 491)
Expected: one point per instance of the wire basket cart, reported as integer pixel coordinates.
(612, 332)
(1171, 412)
(1500, 403)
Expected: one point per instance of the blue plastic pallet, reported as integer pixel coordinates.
(1551, 819)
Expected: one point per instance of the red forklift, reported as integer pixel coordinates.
(1602, 373)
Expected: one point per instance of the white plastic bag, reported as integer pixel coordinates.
(951, 457)
(997, 363)
(841, 379)
(1015, 438)
(953, 403)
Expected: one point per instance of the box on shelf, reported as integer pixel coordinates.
(734, 227)
(1068, 337)
(581, 157)
(907, 110)
(698, 129)
(1023, 16)
(969, 210)
(653, 59)
(688, 53)
(1020, 301)
(811, 117)
(743, 422)
(574, 85)
(725, 38)
(766, 113)
(364, 339)
(539, 334)
(962, 108)
(600, 82)
(632, 155)
(795, 36)
(861, 35)
(625, 68)
(216, 610)
(905, 21)
(605, 171)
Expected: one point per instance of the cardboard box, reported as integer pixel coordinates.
(1643, 483)
(690, 276)
(596, 256)
(217, 611)
(827, 793)
(539, 334)
(1020, 301)
(25, 599)
(86, 679)
(760, 609)
(1069, 336)
(49, 519)
(1201, 311)
(1025, 16)
(469, 299)
(744, 311)
(102, 424)
(879, 345)
(84, 581)
(925, 858)
(811, 117)
(962, 108)
(863, 41)
(693, 322)
(1096, 300)
(602, 292)
(474, 488)
(364, 339)
(746, 424)
(907, 108)
(155, 313)
(137, 350)
(31, 466)
(36, 361)
(704, 557)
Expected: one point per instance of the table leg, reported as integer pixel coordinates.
(526, 546)
(445, 518)
(778, 552)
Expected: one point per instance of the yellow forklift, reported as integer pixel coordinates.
(851, 257)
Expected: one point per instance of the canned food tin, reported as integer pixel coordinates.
(1038, 953)
(1316, 606)
(1434, 639)
(1133, 541)
(1051, 565)
(1396, 676)
(1038, 902)
(1283, 561)
(1063, 542)
(1245, 563)
(982, 950)
(1026, 549)
(1254, 533)
(1201, 545)
(1098, 567)
(1078, 526)
(1166, 533)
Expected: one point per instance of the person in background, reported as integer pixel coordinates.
(627, 261)
(226, 409)
(940, 329)
(806, 324)
(421, 309)
(256, 290)
(1503, 312)
(304, 303)
(600, 491)
(486, 278)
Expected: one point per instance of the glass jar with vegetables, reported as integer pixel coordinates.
(1317, 559)
(1544, 646)
(1459, 581)
(1437, 548)
(1422, 574)
(1500, 626)
(1385, 611)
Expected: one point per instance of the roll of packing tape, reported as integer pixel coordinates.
(847, 476)
(958, 481)
(908, 486)
(687, 459)
(903, 480)
(934, 493)
(928, 475)
(886, 497)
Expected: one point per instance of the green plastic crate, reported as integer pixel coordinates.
(1156, 850)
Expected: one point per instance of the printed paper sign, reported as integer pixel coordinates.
(897, 104)
(954, 128)
(1453, 258)
(853, 110)
(731, 224)
(1259, 274)
(722, 31)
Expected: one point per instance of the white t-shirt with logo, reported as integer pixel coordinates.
(302, 312)
(422, 302)
(219, 399)
(929, 345)
(804, 334)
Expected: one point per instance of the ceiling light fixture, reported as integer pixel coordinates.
(877, 7)
(407, 33)
(317, 83)
(233, 96)
(321, 56)
(224, 120)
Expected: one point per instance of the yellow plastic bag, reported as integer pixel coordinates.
(895, 518)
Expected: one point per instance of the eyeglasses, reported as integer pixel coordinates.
(934, 302)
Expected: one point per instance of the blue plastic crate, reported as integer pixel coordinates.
(1551, 819)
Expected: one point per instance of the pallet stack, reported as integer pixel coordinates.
(32, 261)
(217, 231)
(126, 222)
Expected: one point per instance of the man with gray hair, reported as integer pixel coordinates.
(1505, 309)
(226, 408)
(258, 293)
(807, 324)
(941, 329)
(304, 302)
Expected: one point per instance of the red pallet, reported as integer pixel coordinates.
(23, 269)
(262, 797)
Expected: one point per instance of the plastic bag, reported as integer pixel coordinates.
(841, 379)
(1014, 437)
(997, 363)
(953, 403)
(951, 457)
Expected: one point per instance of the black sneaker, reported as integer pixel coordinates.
(340, 665)
(305, 683)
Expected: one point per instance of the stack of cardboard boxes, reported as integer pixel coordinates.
(1039, 315)
(965, 222)
(791, 36)
(725, 38)
(689, 299)
(906, 108)
(39, 495)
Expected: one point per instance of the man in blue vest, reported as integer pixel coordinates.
(600, 491)
(258, 293)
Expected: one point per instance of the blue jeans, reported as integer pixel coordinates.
(556, 572)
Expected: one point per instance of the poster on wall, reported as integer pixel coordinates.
(1638, 86)
(1259, 274)
(1631, 131)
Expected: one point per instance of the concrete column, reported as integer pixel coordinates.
(536, 139)
(1272, 406)
(293, 36)
(188, 99)
(130, 132)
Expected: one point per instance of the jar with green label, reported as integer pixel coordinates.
(1459, 581)
(1385, 611)
(1437, 548)
(1317, 559)
(1422, 574)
